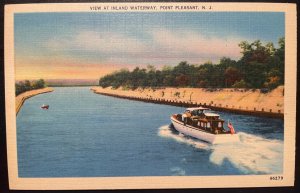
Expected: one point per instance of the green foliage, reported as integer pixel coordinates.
(38, 84)
(261, 66)
(272, 82)
(240, 84)
(27, 85)
(232, 75)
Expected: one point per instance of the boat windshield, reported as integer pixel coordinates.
(197, 112)
(197, 108)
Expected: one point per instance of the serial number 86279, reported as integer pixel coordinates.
(276, 178)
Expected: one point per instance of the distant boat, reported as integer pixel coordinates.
(45, 106)
(204, 126)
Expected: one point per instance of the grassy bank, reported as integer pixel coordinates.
(20, 99)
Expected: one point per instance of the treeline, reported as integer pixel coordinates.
(261, 66)
(29, 85)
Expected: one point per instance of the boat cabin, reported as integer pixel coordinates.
(207, 121)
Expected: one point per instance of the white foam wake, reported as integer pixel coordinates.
(177, 171)
(252, 155)
(166, 131)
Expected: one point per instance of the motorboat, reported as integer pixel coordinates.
(207, 126)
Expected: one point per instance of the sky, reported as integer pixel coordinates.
(90, 45)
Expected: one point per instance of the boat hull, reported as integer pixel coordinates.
(203, 135)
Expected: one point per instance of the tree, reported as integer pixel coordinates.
(182, 80)
(232, 75)
(272, 82)
(21, 87)
(227, 62)
(202, 84)
(261, 65)
(245, 46)
(254, 52)
(27, 85)
(270, 48)
(240, 84)
(39, 84)
(280, 55)
(150, 68)
(255, 74)
(259, 60)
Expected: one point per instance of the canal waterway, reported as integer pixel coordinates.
(84, 134)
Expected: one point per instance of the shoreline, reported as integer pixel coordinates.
(20, 99)
(258, 104)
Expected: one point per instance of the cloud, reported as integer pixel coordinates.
(102, 42)
(92, 54)
(193, 45)
(161, 46)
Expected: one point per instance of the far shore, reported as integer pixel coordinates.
(20, 99)
(251, 101)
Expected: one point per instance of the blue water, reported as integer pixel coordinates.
(89, 135)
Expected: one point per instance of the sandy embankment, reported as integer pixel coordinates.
(250, 100)
(22, 97)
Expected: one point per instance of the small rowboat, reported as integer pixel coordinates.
(45, 107)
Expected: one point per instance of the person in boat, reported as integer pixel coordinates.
(185, 116)
(200, 113)
(231, 128)
(196, 114)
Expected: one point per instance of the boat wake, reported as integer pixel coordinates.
(168, 132)
(177, 171)
(251, 155)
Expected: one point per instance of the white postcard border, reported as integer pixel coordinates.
(154, 182)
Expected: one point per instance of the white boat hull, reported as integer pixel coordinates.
(203, 135)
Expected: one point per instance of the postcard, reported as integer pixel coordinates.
(150, 95)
